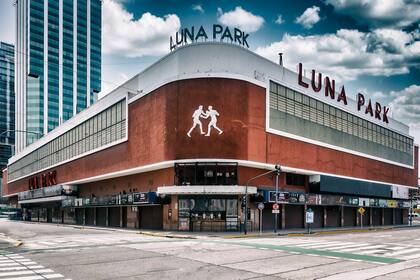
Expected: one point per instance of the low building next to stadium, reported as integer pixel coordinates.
(174, 147)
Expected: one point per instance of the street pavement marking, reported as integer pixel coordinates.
(353, 245)
(370, 273)
(403, 252)
(358, 248)
(299, 250)
(368, 252)
(62, 242)
(320, 244)
(325, 246)
(17, 267)
(410, 257)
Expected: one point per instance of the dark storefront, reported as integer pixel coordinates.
(331, 210)
(204, 213)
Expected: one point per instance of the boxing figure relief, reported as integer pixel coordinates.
(210, 113)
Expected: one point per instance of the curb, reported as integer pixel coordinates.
(10, 240)
(313, 233)
(166, 235)
(156, 234)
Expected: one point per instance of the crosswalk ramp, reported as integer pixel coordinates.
(18, 267)
(388, 250)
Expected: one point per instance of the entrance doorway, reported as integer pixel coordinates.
(151, 217)
(206, 213)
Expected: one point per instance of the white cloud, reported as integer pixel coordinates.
(309, 17)
(7, 22)
(391, 13)
(124, 35)
(240, 18)
(348, 54)
(279, 19)
(198, 8)
(406, 105)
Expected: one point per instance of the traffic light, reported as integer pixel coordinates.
(243, 202)
(278, 169)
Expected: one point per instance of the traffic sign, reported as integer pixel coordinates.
(261, 206)
(277, 211)
(361, 211)
(309, 216)
(275, 206)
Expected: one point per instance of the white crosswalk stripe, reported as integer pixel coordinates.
(17, 267)
(69, 242)
(393, 250)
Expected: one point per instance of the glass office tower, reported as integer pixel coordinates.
(7, 104)
(58, 70)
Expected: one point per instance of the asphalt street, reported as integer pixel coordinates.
(63, 252)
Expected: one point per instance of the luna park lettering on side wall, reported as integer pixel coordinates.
(375, 110)
(219, 32)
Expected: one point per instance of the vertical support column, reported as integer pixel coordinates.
(371, 216)
(94, 216)
(393, 216)
(107, 217)
(324, 223)
(84, 216)
(305, 208)
(357, 217)
(60, 62)
(45, 66)
(88, 43)
(342, 216)
(121, 216)
(283, 216)
(74, 58)
(383, 216)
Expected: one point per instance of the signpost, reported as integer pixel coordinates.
(276, 209)
(260, 207)
(361, 211)
(309, 218)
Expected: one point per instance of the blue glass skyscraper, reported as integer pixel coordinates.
(7, 103)
(58, 63)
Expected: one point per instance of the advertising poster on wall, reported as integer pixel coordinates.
(392, 203)
(364, 201)
(374, 202)
(313, 199)
(399, 192)
(139, 198)
(328, 199)
(352, 201)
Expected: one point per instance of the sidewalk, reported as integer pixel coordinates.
(232, 235)
(289, 233)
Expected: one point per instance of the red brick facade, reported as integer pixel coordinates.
(157, 130)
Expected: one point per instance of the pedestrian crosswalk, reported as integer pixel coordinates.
(18, 267)
(65, 243)
(388, 250)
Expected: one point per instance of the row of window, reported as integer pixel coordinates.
(104, 128)
(302, 106)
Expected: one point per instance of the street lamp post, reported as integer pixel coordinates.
(277, 197)
(277, 169)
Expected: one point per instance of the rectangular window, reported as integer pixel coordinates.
(273, 101)
(295, 179)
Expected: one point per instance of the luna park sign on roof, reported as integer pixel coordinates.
(200, 34)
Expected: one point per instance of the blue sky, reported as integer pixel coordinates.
(370, 46)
